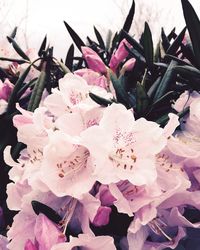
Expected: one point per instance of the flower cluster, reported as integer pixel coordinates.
(109, 180)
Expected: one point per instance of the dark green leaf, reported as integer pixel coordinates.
(161, 65)
(108, 40)
(64, 68)
(187, 71)
(157, 53)
(129, 18)
(172, 34)
(166, 81)
(100, 100)
(162, 98)
(188, 53)
(162, 121)
(14, 32)
(148, 45)
(165, 118)
(134, 53)
(38, 90)
(13, 97)
(39, 207)
(43, 46)
(115, 41)
(181, 62)
(193, 25)
(70, 57)
(17, 149)
(142, 99)
(25, 87)
(17, 48)
(3, 73)
(19, 61)
(132, 41)
(99, 38)
(151, 92)
(121, 94)
(77, 40)
(177, 43)
(165, 40)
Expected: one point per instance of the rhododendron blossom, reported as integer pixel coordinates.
(130, 148)
(101, 151)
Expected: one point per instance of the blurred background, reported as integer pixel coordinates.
(36, 18)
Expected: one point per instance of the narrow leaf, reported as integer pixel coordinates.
(187, 71)
(129, 18)
(148, 45)
(38, 90)
(39, 207)
(157, 53)
(181, 62)
(166, 81)
(165, 118)
(172, 34)
(77, 40)
(193, 25)
(25, 87)
(18, 84)
(100, 100)
(70, 57)
(165, 40)
(108, 40)
(154, 87)
(17, 48)
(14, 32)
(134, 53)
(64, 68)
(43, 46)
(19, 61)
(177, 43)
(121, 94)
(99, 38)
(132, 41)
(142, 99)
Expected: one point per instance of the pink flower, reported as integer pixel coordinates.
(119, 55)
(185, 100)
(130, 148)
(73, 95)
(128, 65)
(6, 88)
(67, 171)
(88, 242)
(93, 60)
(102, 216)
(3, 242)
(92, 77)
(30, 246)
(47, 233)
(38, 229)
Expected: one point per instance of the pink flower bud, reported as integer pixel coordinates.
(93, 60)
(129, 65)
(102, 217)
(47, 233)
(30, 246)
(119, 55)
(5, 89)
(92, 77)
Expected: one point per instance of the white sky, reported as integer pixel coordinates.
(40, 17)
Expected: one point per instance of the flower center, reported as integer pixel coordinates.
(158, 226)
(123, 158)
(74, 164)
